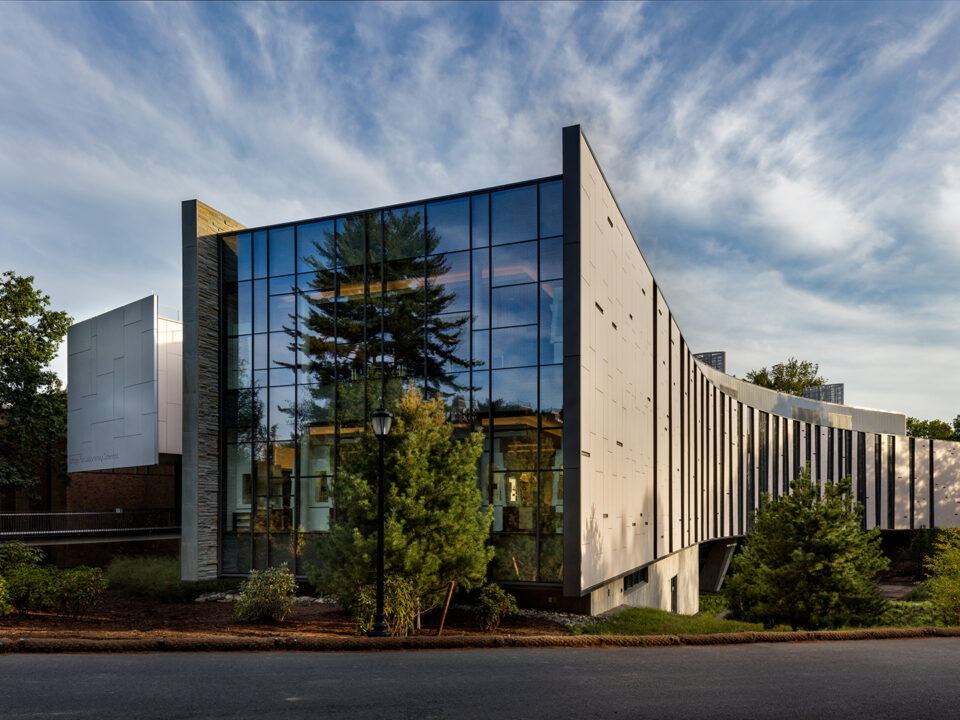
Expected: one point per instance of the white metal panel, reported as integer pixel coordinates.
(921, 497)
(901, 515)
(112, 380)
(946, 483)
(870, 477)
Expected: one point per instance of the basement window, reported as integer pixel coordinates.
(637, 577)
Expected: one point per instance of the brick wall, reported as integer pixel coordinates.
(149, 487)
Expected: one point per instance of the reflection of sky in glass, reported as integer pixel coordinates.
(281, 415)
(551, 258)
(456, 281)
(551, 209)
(260, 254)
(282, 256)
(551, 388)
(515, 390)
(315, 242)
(244, 257)
(514, 305)
(480, 223)
(449, 222)
(283, 310)
(514, 264)
(514, 347)
(514, 215)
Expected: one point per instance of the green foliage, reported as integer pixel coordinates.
(493, 603)
(31, 587)
(807, 563)
(921, 548)
(435, 530)
(943, 575)
(34, 408)
(399, 607)
(933, 429)
(78, 589)
(158, 578)
(712, 604)
(907, 614)
(649, 621)
(266, 595)
(5, 607)
(13, 554)
(793, 376)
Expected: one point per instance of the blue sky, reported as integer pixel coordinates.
(791, 171)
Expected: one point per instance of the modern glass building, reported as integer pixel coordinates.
(461, 296)
(611, 455)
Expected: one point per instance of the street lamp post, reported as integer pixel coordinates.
(381, 421)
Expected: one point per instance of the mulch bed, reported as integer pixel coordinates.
(119, 615)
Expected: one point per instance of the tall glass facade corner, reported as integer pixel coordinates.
(462, 296)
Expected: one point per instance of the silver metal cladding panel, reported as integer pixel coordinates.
(112, 389)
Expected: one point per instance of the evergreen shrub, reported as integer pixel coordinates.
(266, 595)
(493, 604)
(78, 589)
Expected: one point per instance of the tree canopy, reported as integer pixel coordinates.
(793, 376)
(806, 562)
(33, 409)
(934, 429)
(435, 529)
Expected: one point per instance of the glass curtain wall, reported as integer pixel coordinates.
(462, 297)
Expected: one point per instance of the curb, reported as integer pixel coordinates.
(352, 644)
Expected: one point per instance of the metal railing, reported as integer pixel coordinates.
(65, 524)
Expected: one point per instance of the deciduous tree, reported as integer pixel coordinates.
(33, 409)
(793, 376)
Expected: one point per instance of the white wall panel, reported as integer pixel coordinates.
(901, 515)
(921, 498)
(946, 483)
(112, 389)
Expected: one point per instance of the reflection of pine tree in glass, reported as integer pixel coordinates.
(418, 342)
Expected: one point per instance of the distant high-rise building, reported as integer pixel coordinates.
(716, 360)
(832, 393)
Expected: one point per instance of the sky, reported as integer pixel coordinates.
(791, 171)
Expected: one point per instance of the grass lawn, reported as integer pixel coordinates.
(648, 621)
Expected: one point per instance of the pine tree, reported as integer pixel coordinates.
(806, 562)
(943, 575)
(435, 529)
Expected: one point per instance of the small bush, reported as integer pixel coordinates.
(5, 607)
(943, 576)
(30, 587)
(266, 595)
(13, 554)
(493, 603)
(712, 604)
(907, 614)
(399, 607)
(78, 589)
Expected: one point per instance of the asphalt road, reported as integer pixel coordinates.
(869, 679)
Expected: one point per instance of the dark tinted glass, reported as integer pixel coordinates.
(514, 347)
(260, 254)
(315, 405)
(239, 362)
(260, 345)
(551, 322)
(551, 389)
(551, 258)
(515, 559)
(481, 392)
(448, 225)
(481, 348)
(514, 264)
(244, 257)
(244, 309)
(480, 220)
(403, 232)
(455, 340)
(260, 305)
(282, 413)
(281, 349)
(351, 241)
(282, 255)
(481, 288)
(282, 285)
(315, 246)
(449, 283)
(551, 209)
(228, 256)
(283, 311)
(514, 305)
(514, 392)
(514, 215)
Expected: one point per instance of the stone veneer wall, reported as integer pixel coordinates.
(200, 542)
